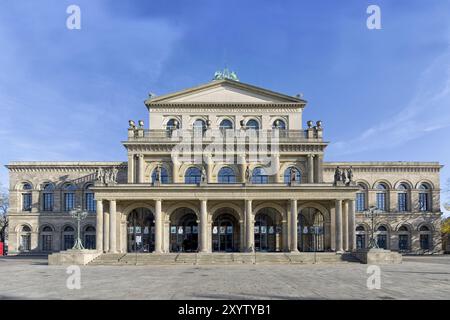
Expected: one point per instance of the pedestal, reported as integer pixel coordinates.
(73, 257)
(378, 256)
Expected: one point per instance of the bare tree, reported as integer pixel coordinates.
(4, 204)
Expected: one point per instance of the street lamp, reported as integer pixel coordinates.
(372, 213)
(79, 215)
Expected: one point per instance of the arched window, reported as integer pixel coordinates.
(25, 239)
(279, 124)
(226, 175)
(26, 197)
(259, 176)
(381, 197)
(382, 237)
(172, 124)
(424, 197)
(403, 239)
(360, 237)
(89, 202)
(47, 238)
(68, 237)
(361, 198)
(226, 124)
(425, 238)
(47, 197)
(69, 197)
(252, 124)
(402, 197)
(199, 125)
(164, 175)
(89, 238)
(193, 175)
(294, 172)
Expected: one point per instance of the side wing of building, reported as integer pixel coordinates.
(408, 194)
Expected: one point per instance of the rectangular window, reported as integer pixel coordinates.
(381, 201)
(90, 202)
(89, 241)
(69, 201)
(423, 202)
(402, 206)
(48, 202)
(360, 202)
(46, 242)
(360, 241)
(69, 241)
(25, 242)
(403, 242)
(424, 242)
(26, 202)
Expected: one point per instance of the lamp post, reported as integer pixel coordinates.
(79, 215)
(372, 213)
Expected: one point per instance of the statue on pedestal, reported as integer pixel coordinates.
(337, 175)
(350, 175)
(247, 174)
(203, 175)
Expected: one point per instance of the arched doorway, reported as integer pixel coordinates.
(267, 230)
(311, 230)
(140, 231)
(360, 237)
(225, 231)
(183, 231)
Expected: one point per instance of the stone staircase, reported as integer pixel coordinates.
(236, 258)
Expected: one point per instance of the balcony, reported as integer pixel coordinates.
(226, 135)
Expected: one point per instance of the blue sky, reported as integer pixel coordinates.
(68, 94)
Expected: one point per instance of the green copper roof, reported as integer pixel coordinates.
(225, 74)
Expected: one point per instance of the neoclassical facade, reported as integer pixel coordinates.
(224, 167)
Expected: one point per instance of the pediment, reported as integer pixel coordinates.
(225, 91)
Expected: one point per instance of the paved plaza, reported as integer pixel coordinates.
(416, 278)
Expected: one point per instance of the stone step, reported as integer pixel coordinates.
(221, 258)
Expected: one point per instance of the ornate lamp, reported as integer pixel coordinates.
(372, 213)
(79, 215)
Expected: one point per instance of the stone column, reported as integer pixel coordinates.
(203, 226)
(175, 168)
(338, 221)
(131, 168)
(310, 168)
(351, 225)
(345, 225)
(242, 167)
(158, 226)
(112, 226)
(209, 167)
(318, 175)
(140, 168)
(99, 226)
(250, 225)
(293, 227)
(35, 201)
(285, 233)
(105, 231)
(276, 167)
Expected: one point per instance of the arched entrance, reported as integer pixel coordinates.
(225, 231)
(311, 230)
(267, 230)
(140, 231)
(183, 231)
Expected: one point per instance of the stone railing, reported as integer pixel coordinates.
(176, 135)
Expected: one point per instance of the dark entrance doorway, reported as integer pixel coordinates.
(140, 231)
(267, 230)
(184, 231)
(224, 230)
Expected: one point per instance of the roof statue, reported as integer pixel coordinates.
(225, 74)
